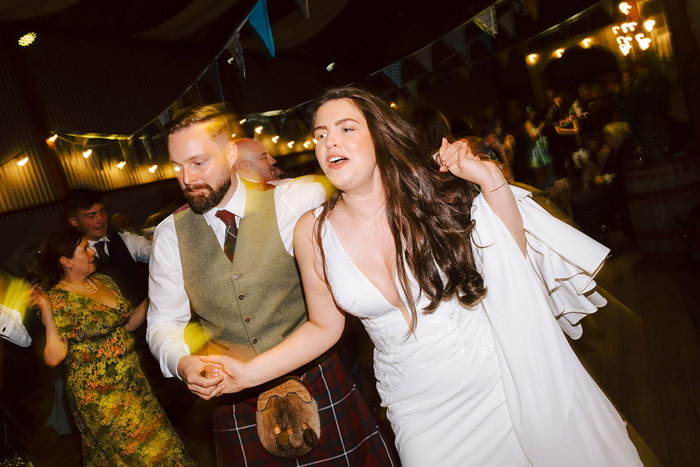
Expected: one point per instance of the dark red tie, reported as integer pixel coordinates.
(229, 219)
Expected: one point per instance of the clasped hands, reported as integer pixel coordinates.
(212, 375)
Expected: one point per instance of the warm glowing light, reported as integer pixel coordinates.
(392, 105)
(586, 43)
(290, 144)
(649, 25)
(176, 168)
(258, 129)
(532, 58)
(152, 168)
(330, 67)
(53, 138)
(275, 138)
(643, 42)
(314, 140)
(87, 153)
(625, 44)
(628, 27)
(307, 144)
(242, 121)
(625, 8)
(558, 53)
(121, 165)
(27, 39)
(23, 161)
(233, 135)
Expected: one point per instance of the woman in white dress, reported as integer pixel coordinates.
(460, 293)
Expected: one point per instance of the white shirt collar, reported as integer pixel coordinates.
(235, 205)
(91, 243)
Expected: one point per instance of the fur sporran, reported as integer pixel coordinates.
(288, 422)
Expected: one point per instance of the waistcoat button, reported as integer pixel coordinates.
(247, 319)
(255, 341)
(240, 297)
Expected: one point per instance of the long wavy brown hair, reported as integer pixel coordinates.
(429, 212)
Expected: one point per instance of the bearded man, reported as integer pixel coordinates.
(229, 258)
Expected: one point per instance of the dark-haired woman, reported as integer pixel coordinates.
(87, 323)
(457, 292)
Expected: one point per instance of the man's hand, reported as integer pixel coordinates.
(202, 378)
(235, 376)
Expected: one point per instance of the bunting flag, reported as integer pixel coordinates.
(303, 7)
(164, 118)
(507, 22)
(393, 71)
(455, 40)
(425, 58)
(412, 88)
(533, 9)
(485, 39)
(236, 51)
(486, 20)
(126, 146)
(463, 73)
(260, 21)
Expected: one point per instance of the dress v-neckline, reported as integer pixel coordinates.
(366, 279)
(116, 299)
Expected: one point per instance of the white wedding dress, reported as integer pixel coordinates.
(496, 384)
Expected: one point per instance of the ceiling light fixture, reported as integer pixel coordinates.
(330, 67)
(27, 39)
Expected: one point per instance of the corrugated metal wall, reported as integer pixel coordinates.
(27, 185)
(83, 86)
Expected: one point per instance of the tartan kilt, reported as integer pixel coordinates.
(349, 433)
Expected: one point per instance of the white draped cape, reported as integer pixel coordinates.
(559, 414)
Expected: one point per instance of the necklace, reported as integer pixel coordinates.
(91, 287)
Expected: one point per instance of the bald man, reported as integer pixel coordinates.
(254, 163)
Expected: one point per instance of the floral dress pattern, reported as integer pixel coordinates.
(119, 418)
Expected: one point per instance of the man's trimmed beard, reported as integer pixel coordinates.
(201, 203)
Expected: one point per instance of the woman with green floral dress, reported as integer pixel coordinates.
(87, 323)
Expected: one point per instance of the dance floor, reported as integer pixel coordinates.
(645, 354)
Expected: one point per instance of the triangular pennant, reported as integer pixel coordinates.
(485, 39)
(164, 118)
(503, 58)
(463, 73)
(425, 57)
(533, 9)
(393, 71)
(260, 21)
(507, 22)
(412, 88)
(303, 7)
(519, 7)
(486, 20)
(236, 51)
(455, 39)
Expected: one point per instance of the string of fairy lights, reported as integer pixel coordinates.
(633, 33)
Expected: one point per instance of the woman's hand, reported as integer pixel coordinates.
(38, 297)
(458, 159)
(236, 376)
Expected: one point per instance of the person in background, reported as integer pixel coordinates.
(254, 163)
(88, 323)
(119, 253)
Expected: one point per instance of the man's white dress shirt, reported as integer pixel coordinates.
(169, 309)
(139, 247)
